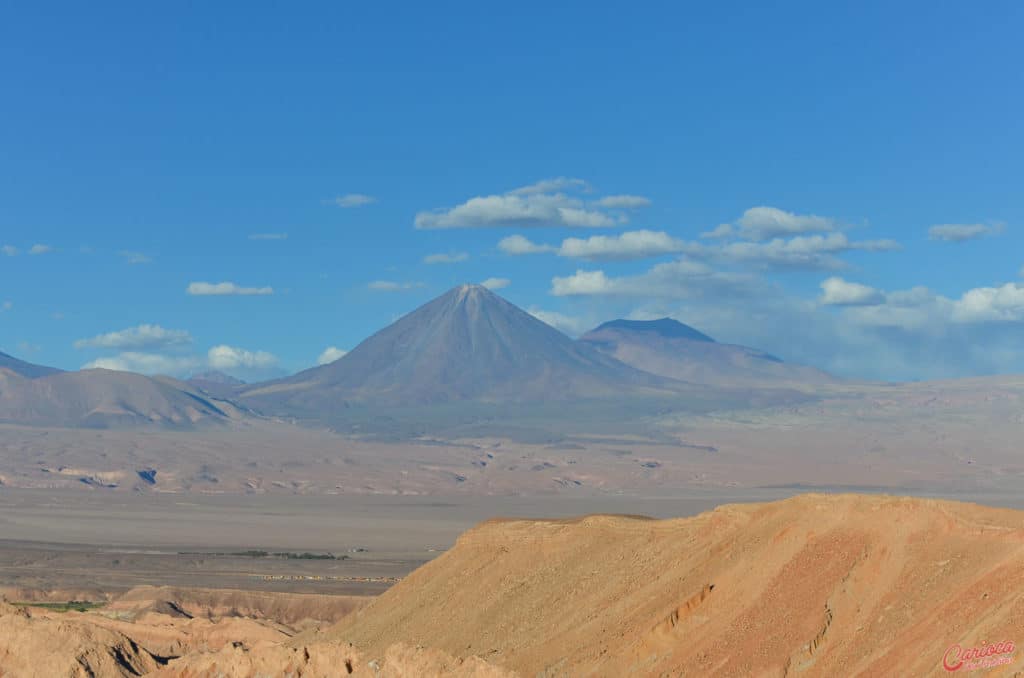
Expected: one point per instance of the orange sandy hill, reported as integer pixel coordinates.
(815, 585)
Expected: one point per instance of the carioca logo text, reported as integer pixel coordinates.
(982, 655)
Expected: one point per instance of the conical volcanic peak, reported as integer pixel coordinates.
(467, 344)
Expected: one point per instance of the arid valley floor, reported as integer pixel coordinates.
(816, 584)
(533, 506)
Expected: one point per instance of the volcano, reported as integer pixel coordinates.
(671, 349)
(469, 344)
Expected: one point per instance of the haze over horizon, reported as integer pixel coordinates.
(819, 187)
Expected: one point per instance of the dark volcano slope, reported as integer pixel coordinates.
(27, 370)
(670, 349)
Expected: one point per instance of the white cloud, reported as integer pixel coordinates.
(628, 245)
(392, 286)
(570, 325)
(839, 292)
(962, 232)
(224, 357)
(268, 236)
(140, 337)
(809, 252)
(135, 257)
(7, 305)
(450, 258)
(991, 304)
(39, 248)
(354, 200)
(546, 203)
(517, 244)
(203, 289)
(814, 252)
(764, 223)
(496, 283)
(330, 354)
(623, 201)
(919, 308)
(761, 223)
(146, 363)
(9, 250)
(720, 231)
(553, 186)
(681, 279)
(235, 361)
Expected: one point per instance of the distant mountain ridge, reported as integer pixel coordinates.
(467, 344)
(36, 395)
(25, 369)
(216, 377)
(665, 327)
(671, 349)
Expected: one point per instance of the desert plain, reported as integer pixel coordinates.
(470, 492)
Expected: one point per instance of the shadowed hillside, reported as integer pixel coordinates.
(816, 585)
(20, 367)
(671, 349)
(104, 399)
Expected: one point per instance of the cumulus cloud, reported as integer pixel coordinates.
(237, 362)
(761, 223)
(517, 244)
(627, 245)
(624, 202)
(9, 250)
(813, 252)
(809, 252)
(393, 286)
(140, 337)
(146, 363)
(720, 231)
(765, 223)
(681, 279)
(962, 232)
(566, 324)
(449, 258)
(39, 248)
(134, 257)
(205, 289)
(839, 292)
(496, 283)
(553, 202)
(268, 236)
(921, 309)
(330, 354)
(224, 357)
(350, 200)
(553, 186)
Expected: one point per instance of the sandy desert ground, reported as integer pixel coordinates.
(815, 585)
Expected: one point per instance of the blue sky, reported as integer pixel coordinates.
(143, 147)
